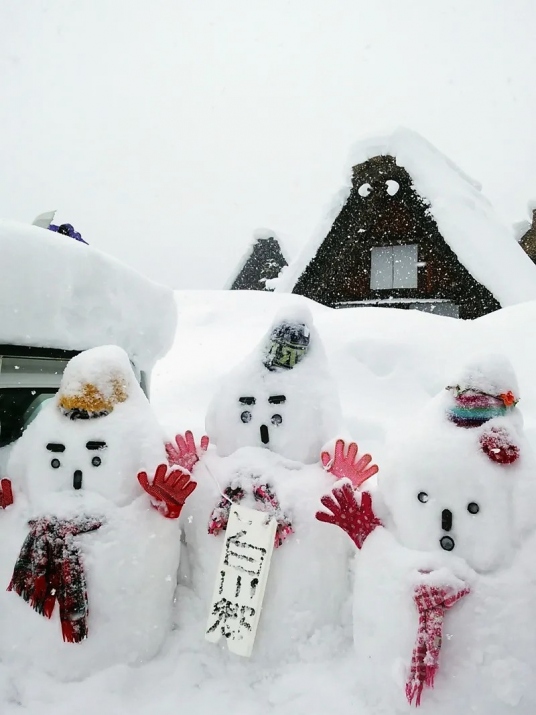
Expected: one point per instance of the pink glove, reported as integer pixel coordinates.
(346, 466)
(6, 493)
(357, 520)
(185, 454)
(169, 490)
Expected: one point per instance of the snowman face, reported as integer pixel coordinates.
(455, 503)
(79, 456)
(274, 415)
(261, 422)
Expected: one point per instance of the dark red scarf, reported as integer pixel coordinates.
(49, 569)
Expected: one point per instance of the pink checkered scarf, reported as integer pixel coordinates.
(431, 602)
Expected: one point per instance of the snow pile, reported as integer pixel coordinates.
(60, 293)
(388, 366)
(465, 218)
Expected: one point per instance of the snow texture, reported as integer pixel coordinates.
(60, 293)
(389, 365)
(465, 218)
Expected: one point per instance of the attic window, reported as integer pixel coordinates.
(393, 267)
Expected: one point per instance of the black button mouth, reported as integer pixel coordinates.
(77, 479)
(265, 438)
(447, 543)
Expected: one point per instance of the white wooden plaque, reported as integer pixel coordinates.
(241, 580)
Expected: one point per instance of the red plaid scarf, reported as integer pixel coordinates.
(431, 602)
(50, 568)
(264, 495)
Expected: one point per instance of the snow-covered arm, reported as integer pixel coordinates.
(350, 465)
(184, 452)
(6, 493)
(168, 490)
(356, 519)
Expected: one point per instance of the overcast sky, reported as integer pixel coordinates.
(168, 131)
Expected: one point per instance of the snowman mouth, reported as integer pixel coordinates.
(447, 543)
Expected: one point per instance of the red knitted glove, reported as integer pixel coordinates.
(341, 465)
(185, 454)
(357, 520)
(498, 445)
(170, 491)
(6, 493)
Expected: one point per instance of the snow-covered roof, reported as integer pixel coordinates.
(465, 218)
(56, 292)
(258, 234)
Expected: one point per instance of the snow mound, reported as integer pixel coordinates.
(60, 293)
(465, 218)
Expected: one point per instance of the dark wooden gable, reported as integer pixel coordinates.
(528, 241)
(383, 209)
(264, 262)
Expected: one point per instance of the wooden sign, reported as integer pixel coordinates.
(241, 580)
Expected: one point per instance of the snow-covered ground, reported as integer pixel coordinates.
(387, 364)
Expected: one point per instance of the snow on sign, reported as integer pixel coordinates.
(241, 581)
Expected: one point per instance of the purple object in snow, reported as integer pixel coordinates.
(67, 230)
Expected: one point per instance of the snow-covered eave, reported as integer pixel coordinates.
(465, 218)
(56, 292)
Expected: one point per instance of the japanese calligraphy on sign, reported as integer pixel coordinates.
(241, 579)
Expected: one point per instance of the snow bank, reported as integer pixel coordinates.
(60, 293)
(465, 218)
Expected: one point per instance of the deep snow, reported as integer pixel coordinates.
(388, 363)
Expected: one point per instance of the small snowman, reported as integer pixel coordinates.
(444, 582)
(90, 562)
(269, 422)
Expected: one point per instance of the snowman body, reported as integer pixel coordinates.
(307, 598)
(451, 517)
(68, 468)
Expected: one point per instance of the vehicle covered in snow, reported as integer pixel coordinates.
(59, 297)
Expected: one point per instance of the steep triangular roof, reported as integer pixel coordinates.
(465, 218)
(262, 261)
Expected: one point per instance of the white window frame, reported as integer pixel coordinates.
(384, 261)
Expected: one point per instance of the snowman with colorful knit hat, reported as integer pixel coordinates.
(89, 560)
(269, 421)
(444, 577)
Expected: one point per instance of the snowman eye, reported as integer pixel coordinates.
(364, 190)
(55, 463)
(245, 416)
(277, 419)
(473, 508)
(96, 461)
(422, 497)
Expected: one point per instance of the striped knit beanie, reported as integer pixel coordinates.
(472, 408)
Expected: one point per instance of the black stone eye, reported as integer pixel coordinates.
(245, 416)
(96, 461)
(55, 463)
(277, 419)
(473, 508)
(422, 497)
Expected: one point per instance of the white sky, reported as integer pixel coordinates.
(168, 131)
